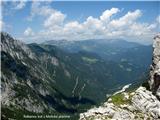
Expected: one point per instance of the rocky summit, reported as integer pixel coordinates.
(140, 104)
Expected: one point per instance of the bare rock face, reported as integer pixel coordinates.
(146, 102)
(141, 105)
(154, 81)
(15, 48)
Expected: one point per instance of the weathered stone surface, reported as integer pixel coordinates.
(154, 81)
(144, 105)
(123, 115)
(145, 101)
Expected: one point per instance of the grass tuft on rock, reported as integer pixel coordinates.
(119, 99)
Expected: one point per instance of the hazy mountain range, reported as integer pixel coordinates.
(66, 77)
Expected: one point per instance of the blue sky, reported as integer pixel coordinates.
(40, 21)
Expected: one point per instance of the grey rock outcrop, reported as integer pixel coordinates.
(146, 102)
(15, 48)
(142, 105)
(154, 81)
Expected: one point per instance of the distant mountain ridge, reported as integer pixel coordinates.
(110, 42)
(113, 50)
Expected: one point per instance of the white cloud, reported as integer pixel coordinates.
(5, 26)
(131, 16)
(40, 8)
(73, 27)
(55, 19)
(21, 4)
(103, 27)
(108, 13)
(28, 32)
(93, 23)
(1, 25)
(127, 19)
(152, 26)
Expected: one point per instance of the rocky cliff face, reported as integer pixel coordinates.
(29, 80)
(140, 104)
(154, 81)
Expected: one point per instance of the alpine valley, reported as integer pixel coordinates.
(62, 77)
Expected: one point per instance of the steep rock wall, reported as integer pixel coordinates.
(154, 81)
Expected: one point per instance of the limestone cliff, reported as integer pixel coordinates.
(154, 81)
(140, 104)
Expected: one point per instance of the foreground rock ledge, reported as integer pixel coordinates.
(144, 105)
